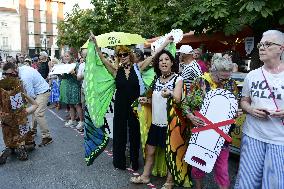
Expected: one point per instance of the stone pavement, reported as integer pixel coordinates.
(61, 165)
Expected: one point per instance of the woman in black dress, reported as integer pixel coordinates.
(127, 91)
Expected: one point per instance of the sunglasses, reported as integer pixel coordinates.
(8, 74)
(266, 44)
(122, 55)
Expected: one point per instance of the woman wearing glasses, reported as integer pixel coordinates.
(218, 77)
(127, 91)
(262, 148)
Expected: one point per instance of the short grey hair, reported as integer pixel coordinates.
(278, 34)
(221, 64)
(43, 53)
(280, 38)
(55, 60)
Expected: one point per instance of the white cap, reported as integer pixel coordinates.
(186, 49)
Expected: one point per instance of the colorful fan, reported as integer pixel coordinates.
(177, 133)
(100, 86)
(96, 139)
(99, 90)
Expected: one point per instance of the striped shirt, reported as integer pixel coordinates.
(189, 72)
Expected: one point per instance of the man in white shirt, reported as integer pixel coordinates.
(262, 148)
(37, 88)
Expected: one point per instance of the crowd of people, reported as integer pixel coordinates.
(180, 85)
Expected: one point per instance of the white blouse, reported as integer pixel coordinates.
(159, 104)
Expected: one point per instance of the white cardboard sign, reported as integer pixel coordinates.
(176, 33)
(249, 44)
(59, 69)
(16, 101)
(24, 129)
(218, 105)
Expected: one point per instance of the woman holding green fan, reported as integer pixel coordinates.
(128, 88)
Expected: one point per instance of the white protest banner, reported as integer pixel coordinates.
(59, 69)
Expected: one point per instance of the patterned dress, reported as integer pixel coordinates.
(70, 89)
(55, 90)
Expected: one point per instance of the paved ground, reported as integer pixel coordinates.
(61, 165)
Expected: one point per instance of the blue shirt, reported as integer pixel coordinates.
(34, 83)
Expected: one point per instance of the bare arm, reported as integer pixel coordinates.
(256, 112)
(109, 66)
(80, 74)
(80, 77)
(142, 65)
(33, 103)
(176, 93)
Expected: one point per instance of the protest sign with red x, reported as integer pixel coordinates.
(215, 126)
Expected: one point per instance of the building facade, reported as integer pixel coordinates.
(10, 35)
(39, 20)
(29, 26)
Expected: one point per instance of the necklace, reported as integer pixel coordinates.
(166, 75)
(126, 66)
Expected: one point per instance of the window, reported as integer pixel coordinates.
(43, 28)
(5, 41)
(54, 17)
(30, 4)
(31, 27)
(42, 5)
(44, 41)
(55, 42)
(54, 7)
(7, 3)
(42, 16)
(55, 30)
(30, 15)
(31, 41)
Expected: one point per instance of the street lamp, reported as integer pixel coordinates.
(44, 40)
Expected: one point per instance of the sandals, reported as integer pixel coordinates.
(139, 180)
(168, 185)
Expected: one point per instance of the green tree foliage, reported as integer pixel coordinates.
(232, 16)
(107, 16)
(154, 18)
(73, 30)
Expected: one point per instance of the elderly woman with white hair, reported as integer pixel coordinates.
(218, 77)
(262, 148)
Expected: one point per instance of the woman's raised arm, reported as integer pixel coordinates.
(112, 69)
(142, 65)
